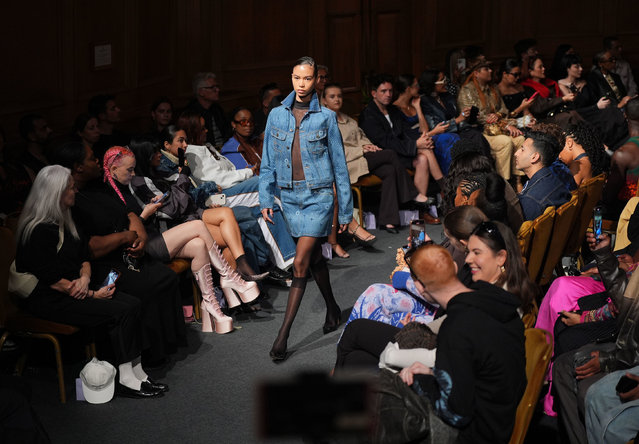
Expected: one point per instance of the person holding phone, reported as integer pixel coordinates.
(606, 358)
(303, 158)
(189, 240)
(51, 249)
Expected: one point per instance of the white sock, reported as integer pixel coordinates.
(138, 371)
(127, 376)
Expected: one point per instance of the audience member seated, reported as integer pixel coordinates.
(525, 50)
(188, 240)
(440, 106)
(400, 302)
(161, 114)
(244, 194)
(409, 103)
(85, 129)
(543, 188)
(363, 157)
(230, 227)
(604, 82)
(583, 152)
(502, 134)
(322, 78)
(570, 80)
(244, 149)
(35, 130)
(479, 370)
(557, 70)
(468, 174)
(624, 168)
(622, 68)
(574, 372)
(206, 91)
(51, 249)
(116, 241)
(558, 168)
(386, 128)
(455, 67)
(104, 108)
(512, 93)
(270, 97)
(550, 105)
(207, 163)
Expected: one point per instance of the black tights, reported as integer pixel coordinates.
(308, 255)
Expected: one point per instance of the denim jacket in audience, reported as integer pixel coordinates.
(543, 190)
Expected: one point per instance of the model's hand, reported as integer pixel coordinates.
(104, 292)
(633, 394)
(604, 241)
(267, 214)
(570, 318)
(590, 368)
(342, 228)
(416, 369)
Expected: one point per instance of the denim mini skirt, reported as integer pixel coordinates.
(308, 212)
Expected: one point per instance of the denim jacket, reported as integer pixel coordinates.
(543, 190)
(321, 150)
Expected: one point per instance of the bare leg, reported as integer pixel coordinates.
(433, 165)
(190, 240)
(422, 175)
(332, 238)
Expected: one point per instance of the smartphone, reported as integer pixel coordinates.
(111, 278)
(472, 115)
(597, 222)
(216, 199)
(626, 384)
(534, 95)
(181, 157)
(163, 198)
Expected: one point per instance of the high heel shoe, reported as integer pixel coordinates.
(330, 327)
(230, 281)
(277, 354)
(212, 316)
(364, 242)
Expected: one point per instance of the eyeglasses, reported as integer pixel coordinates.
(515, 74)
(212, 87)
(493, 233)
(244, 122)
(323, 77)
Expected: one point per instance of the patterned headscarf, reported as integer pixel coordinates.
(113, 155)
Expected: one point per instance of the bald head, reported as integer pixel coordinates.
(434, 267)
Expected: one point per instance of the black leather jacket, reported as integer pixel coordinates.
(626, 352)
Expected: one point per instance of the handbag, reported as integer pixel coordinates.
(23, 284)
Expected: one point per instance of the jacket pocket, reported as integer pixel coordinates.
(278, 137)
(317, 141)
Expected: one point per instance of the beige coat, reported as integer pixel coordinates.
(354, 139)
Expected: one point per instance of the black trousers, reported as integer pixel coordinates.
(397, 185)
(120, 315)
(361, 344)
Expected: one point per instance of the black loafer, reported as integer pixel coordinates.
(158, 385)
(146, 391)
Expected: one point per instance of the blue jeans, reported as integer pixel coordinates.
(608, 420)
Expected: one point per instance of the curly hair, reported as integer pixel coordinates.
(464, 166)
(587, 137)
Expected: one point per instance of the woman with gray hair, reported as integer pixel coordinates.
(51, 251)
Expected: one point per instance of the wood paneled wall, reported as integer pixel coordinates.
(157, 45)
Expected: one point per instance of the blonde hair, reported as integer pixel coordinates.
(43, 203)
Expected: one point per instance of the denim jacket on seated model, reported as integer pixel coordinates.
(321, 150)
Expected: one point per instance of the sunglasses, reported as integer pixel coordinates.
(515, 74)
(492, 232)
(244, 122)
